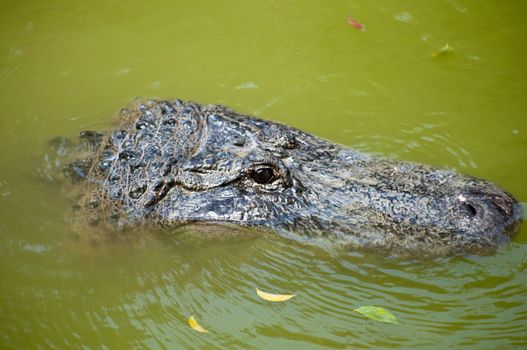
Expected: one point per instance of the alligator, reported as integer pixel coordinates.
(167, 164)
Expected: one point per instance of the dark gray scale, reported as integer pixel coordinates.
(137, 191)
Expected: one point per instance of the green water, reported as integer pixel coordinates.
(69, 66)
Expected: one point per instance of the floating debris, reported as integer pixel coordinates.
(445, 50)
(352, 22)
(273, 297)
(195, 325)
(377, 313)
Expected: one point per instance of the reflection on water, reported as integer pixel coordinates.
(143, 294)
(67, 67)
(432, 140)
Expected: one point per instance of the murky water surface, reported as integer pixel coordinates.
(69, 66)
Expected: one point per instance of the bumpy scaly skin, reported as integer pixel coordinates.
(172, 163)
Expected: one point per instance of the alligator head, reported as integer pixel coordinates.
(172, 163)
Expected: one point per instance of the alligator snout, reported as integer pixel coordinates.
(417, 208)
(488, 212)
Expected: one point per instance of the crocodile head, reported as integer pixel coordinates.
(173, 163)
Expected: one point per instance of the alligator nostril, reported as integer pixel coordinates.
(471, 210)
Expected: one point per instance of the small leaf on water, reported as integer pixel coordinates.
(445, 50)
(195, 325)
(273, 297)
(352, 22)
(377, 314)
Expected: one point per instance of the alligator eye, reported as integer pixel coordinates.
(262, 175)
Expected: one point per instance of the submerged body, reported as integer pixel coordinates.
(173, 163)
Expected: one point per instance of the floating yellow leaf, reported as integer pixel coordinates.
(377, 314)
(195, 325)
(273, 297)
